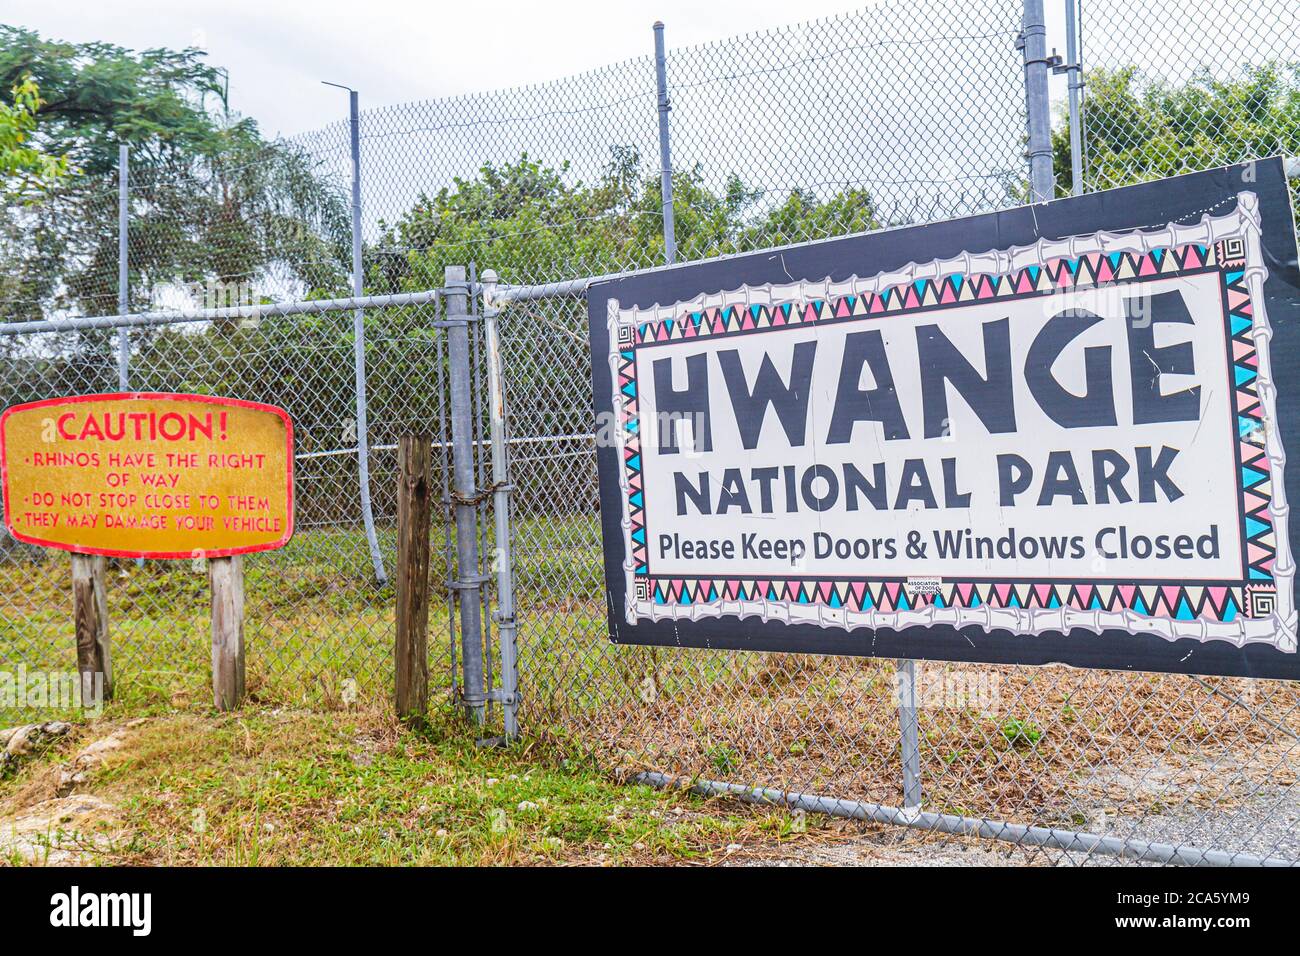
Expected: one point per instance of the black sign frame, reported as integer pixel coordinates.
(1173, 207)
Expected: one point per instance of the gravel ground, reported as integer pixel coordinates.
(874, 845)
(1265, 824)
(1261, 821)
(1209, 805)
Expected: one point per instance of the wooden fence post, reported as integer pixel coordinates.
(413, 517)
(90, 614)
(226, 578)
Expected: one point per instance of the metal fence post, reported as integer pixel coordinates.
(123, 277)
(1074, 81)
(503, 559)
(123, 273)
(359, 345)
(911, 737)
(665, 152)
(1033, 42)
(464, 493)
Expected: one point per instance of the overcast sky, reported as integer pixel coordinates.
(393, 51)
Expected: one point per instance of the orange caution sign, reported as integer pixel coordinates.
(148, 475)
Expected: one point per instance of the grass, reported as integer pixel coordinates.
(1053, 740)
(314, 619)
(276, 787)
(1020, 733)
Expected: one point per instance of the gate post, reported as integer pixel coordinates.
(1033, 41)
(464, 494)
(503, 560)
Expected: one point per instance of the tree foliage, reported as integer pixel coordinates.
(531, 223)
(25, 168)
(1138, 128)
(211, 199)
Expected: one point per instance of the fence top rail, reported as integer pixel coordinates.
(180, 316)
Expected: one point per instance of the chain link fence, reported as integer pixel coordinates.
(1155, 767)
(319, 624)
(897, 114)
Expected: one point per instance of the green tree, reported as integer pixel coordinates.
(531, 223)
(27, 172)
(1139, 128)
(212, 200)
(25, 168)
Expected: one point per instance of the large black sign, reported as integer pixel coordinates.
(1055, 433)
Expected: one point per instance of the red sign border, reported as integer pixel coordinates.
(174, 396)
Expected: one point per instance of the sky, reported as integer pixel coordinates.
(393, 51)
(278, 53)
(914, 101)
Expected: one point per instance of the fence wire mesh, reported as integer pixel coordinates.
(897, 114)
(1187, 762)
(319, 625)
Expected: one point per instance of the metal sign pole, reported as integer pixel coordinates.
(665, 152)
(911, 737)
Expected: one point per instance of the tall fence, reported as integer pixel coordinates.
(900, 113)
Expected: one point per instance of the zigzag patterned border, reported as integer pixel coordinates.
(1259, 609)
(922, 295)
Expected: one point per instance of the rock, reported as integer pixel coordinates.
(60, 832)
(20, 742)
(94, 753)
(70, 778)
(90, 757)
